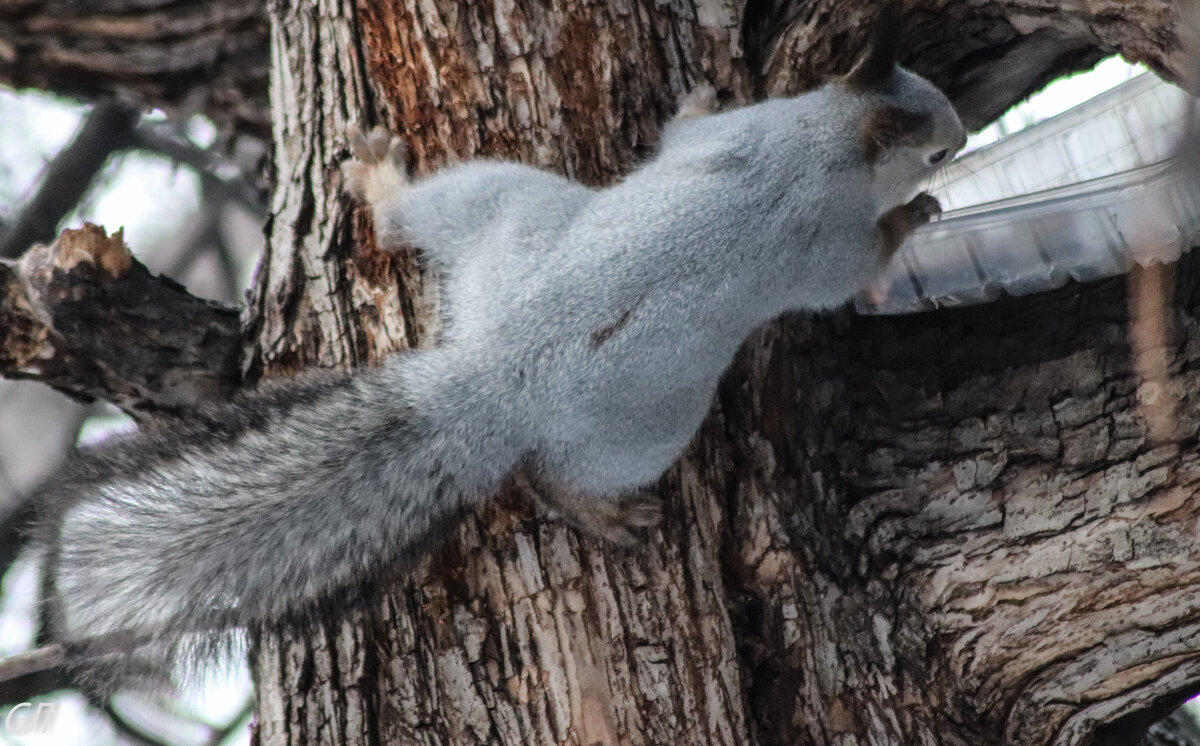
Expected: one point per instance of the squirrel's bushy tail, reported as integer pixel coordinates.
(257, 510)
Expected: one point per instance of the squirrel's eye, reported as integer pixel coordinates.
(938, 157)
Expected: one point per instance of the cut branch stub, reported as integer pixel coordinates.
(82, 315)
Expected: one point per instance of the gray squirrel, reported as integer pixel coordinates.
(587, 330)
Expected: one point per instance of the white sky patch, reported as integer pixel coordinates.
(148, 195)
(45, 124)
(17, 597)
(103, 424)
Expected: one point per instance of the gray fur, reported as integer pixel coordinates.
(587, 330)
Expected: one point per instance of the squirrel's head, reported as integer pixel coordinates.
(908, 128)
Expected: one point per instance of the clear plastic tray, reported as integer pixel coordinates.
(1081, 196)
(1129, 126)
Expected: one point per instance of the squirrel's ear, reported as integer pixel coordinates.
(877, 63)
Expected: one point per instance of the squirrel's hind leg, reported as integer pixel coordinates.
(378, 176)
(612, 519)
(698, 102)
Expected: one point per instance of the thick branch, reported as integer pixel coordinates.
(85, 317)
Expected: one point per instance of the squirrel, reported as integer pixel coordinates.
(587, 330)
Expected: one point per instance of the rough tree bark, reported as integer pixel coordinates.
(944, 529)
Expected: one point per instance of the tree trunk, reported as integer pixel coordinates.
(944, 529)
(947, 529)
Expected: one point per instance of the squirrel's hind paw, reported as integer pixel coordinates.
(700, 101)
(613, 519)
(616, 520)
(378, 170)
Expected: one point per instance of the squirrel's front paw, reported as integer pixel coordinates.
(923, 207)
(379, 168)
(898, 223)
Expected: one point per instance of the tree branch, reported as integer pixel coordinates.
(84, 316)
(218, 176)
(131, 730)
(35, 661)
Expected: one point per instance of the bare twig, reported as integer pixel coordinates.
(131, 730)
(35, 661)
(219, 176)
